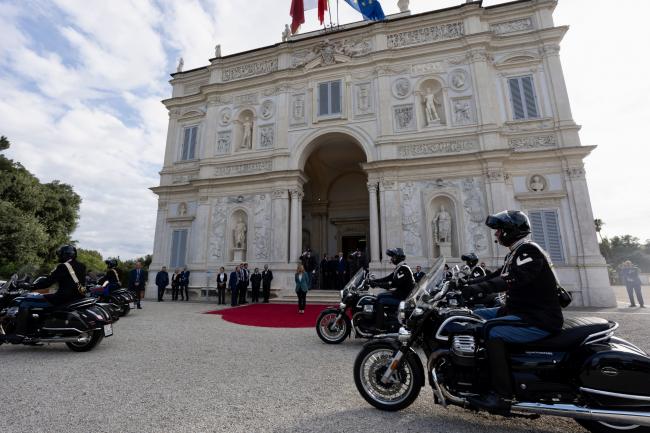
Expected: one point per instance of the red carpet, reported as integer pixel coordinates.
(271, 315)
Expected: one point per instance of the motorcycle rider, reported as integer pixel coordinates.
(401, 280)
(531, 311)
(471, 260)
(111, 280)
(68, 291)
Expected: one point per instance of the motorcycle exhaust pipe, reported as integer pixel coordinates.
(592, 414)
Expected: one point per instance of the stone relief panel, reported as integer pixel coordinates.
(475, 209)
(533, 142)
(411, 215)
(297, 114)
(518, 25)
(327, 51)
(537, 183)
(267, 110)
(224, 142)
(246, 168)
(246, 99)
(225, 117)
(266, 139)
(459, 80)
(262, 222)
(438, 147)
(426, 35)
(404, 117)
(364, 103)
(463, 113)
(401, 88)
(428, 68)
(249, 70)
(218, 231)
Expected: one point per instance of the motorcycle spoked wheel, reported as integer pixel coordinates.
(370, 366)
(88, 345)
(330, 332)
(608, 427)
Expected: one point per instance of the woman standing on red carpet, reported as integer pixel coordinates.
(302, 286)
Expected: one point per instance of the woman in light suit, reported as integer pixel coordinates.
(302, 286)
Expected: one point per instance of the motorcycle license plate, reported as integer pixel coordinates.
(108, 330)
(132, 305)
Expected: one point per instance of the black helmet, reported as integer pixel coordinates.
(470, 259)
(66, 252)
(111, 263)
(514, 225)
(396, 255)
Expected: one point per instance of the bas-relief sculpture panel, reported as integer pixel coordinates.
(469, 197)
(259, 206)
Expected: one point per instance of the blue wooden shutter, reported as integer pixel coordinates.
(335, 97)
(323, 99)
(515, 97)
(546, 232)
(529, 97)
(179, 248)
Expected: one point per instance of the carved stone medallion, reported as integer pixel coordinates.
(401, 88)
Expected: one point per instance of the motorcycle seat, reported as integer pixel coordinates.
(80, 303)
(574, 331)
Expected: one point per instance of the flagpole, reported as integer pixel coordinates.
(329, 10)
(338, 22)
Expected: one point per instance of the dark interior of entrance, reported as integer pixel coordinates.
(351, 243)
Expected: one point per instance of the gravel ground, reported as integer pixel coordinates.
(170, 369)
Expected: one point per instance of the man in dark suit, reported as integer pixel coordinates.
(162, 281)
(256, 282)
(324, 273)
(222, 281)
(244, 276)
(267, 276)
(233, 283)
(185, 282)
(341, 266)
(418, 274)
(137, 281)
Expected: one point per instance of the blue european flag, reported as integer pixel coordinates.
(370, 9)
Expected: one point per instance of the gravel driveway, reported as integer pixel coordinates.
(169, 368)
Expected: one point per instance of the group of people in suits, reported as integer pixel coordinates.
(335, 271)
(180, 282)
(239, 281)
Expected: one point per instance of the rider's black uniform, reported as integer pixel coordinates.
(401, 282)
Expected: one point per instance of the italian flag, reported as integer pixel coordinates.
(298, 8)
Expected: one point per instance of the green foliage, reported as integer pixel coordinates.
(627, 247)
(35, 218)
(92, 259)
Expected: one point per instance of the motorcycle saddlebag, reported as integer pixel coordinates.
(616, 375)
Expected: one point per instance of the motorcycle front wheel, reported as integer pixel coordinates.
(329, 329)
(404, 385)
(88, 344)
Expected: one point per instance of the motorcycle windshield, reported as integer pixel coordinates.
(430, 282)
(356, 280)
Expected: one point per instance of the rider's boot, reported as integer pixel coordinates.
(380, 322)
(497, 400)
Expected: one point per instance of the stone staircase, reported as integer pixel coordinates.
(324, 297)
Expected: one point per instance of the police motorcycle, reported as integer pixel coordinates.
(81, 324)
(121, 301)
(585, 372)
(356, 311)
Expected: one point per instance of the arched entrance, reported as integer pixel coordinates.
(335, 208)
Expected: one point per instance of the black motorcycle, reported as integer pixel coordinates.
(355, 312)
(122, 300)
(81, 324)
(585, 372)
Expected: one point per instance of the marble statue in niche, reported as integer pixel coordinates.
(442, 226)
(182, 209)
(240, 233)
(430, 110)
(247, 135)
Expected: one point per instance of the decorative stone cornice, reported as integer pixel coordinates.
(249, 70)
(497, 175)
(437, 148)
(575, 172)
(246, 168)
(280, 193)
(440, 32)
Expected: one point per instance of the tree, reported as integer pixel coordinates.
(36, 218)
(92, 259)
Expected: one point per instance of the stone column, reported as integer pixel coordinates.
(160, 258)
(200, 233)
(280, 233)
(559, 91)
(374, 223)
(296, 225)
(486, 97)
(391, 216)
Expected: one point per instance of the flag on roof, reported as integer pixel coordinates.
(370, 9)
(298, 8)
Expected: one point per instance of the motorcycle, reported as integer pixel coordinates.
(334, 325)
(122, 300)
(585, 372)
(81, 324)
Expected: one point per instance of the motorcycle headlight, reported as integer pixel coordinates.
(401, 312)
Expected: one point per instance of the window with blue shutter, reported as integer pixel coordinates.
(522, 96)
(179, 248)
(546, 232)
(189, 143)
(329, 98)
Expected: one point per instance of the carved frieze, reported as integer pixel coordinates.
(247, 168)
(532, 142)
(426, 35)
(497, 175)
(462, 109)
(266, 136)
(428, 68)
(246, 99)
(262, 221)
(224, 142)
(327, 51)
(436, 148)
(249, 70)
(411, 219)
(218, 230)
(519, 25)
(183, 178)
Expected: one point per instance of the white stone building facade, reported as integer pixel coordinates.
(378, 135)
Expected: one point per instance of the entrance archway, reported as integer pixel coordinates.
(335, 210)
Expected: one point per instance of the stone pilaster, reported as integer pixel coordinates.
(374, 223)
(295, 227)
(280, 232)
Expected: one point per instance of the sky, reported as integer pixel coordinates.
(81, 83)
